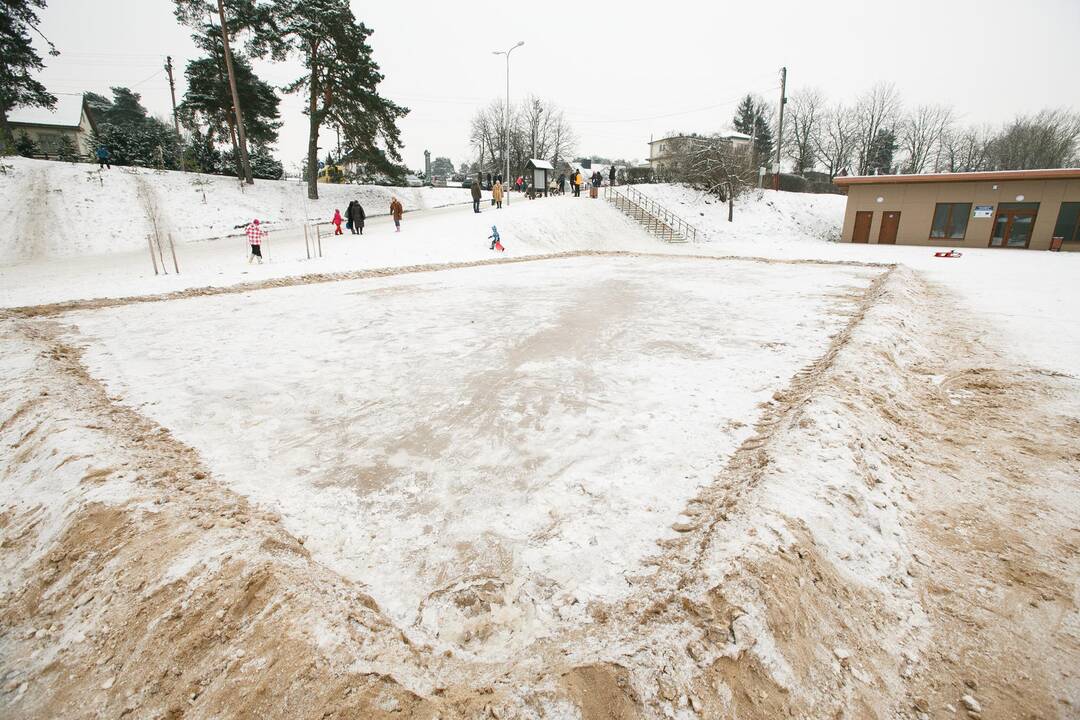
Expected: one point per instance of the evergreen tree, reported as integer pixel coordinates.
(881, 152)
(201, 153)
(131, 135)
(751, 118)
(763, 138)
(66, 150)
(208, 100)
(264, 166)
(25, 146)
(340, 81)
(17, 60)
(745, 115)
(442, 166)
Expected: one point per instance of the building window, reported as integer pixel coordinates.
(950, 220)
(1068, 222)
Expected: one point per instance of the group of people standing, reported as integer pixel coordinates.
(577, 180)
(353, 219)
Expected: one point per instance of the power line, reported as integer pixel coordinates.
(673, 114)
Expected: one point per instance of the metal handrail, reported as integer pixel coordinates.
(671, 222)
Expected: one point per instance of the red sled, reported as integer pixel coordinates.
(498, 246)
(950, 253)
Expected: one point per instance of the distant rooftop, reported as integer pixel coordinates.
(67, 113)
(726, 133)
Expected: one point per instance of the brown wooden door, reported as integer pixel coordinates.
(890, 223)
(861, 233)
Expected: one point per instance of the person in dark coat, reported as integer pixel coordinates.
(562, 183)
(488, 186)
(476, 194)
(103, 158)
(611, 176)
(355, 215)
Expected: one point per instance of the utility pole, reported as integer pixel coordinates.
(780, 128)
(244, 163)
(176, 122)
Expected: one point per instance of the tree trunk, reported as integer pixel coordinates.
(730, 203)
(7, 139)
(313, 129)
(246, 175)
(236, 152)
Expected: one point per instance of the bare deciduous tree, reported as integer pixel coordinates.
(876, 110)
(538, 129)
(805, 109)
(1047, 139)
(712, 164)
(963, 150)
(921, 132)
(835, 139)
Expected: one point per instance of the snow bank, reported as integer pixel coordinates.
(54, 209)
(767, 218)
(446, 235)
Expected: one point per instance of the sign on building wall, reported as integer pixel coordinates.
(983, 211)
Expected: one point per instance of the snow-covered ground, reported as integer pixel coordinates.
(692, 487)
(54, 210)
(507, 424)
(1025, 296)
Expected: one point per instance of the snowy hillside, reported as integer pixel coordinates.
(767, 218)
(54, 209)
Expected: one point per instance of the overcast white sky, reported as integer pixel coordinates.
(623, 70)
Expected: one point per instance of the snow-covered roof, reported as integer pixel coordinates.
(67, 113)
(541, 164)
(726, 133)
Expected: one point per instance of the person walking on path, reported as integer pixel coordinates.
(611, 176)
(255, 235)
(396, 212)
(577, 183)
(355, 214)
(337, 222)
(476, 194)
(562, 183)
(103, 158)
(497, 194)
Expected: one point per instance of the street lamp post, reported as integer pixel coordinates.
(506, 111)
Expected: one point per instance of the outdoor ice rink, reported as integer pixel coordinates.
(528, 431)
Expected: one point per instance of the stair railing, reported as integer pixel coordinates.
(658, 219)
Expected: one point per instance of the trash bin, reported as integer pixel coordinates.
(1055, 243)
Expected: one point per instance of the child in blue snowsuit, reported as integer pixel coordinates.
(494, 238)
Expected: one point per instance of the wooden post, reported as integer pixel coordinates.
(307, 244)
(318, 236)
(172, 247)
(150, 244)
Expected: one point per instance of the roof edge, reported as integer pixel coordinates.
(981, 176)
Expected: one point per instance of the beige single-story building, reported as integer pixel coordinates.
(1008, 209)
(71, 119)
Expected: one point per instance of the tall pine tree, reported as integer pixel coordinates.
(18, 60)
(340, 82)
(208, 100)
